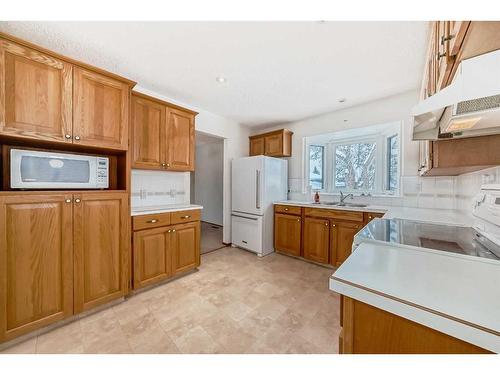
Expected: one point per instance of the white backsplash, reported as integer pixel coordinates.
(159, 188)
(425, 192)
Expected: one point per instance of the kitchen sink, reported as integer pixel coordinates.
(354, 205)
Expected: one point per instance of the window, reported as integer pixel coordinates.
(362, 160)
(392, 162)
(316, 163)
(355, 166)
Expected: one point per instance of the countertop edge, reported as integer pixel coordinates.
(464, 332)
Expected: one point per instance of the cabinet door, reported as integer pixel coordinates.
(186, 246)
(36, 262)
(274, 145)
(256, 146)
(316, 239)
(35, 94)
(342, 237)
(101, 243)
(152, 256)
(180, 140)
(100, 110)
(287, 234)
(457, 31)
(148, 133)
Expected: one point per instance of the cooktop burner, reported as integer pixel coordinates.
(454, 239)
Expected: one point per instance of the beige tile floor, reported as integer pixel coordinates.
(235, 303)
(211, 237)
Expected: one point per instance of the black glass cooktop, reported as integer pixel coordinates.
(455, 239)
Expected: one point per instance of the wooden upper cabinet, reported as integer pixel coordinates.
(276, 143)
(257, 146)
(148, 138)
(36, 262)
(287, 233)
(101, 243)
(100, 110)
(162, 135)
(35, 94)
(152, 256)
(180, 140)
(317, 239)
(185, 246)
(342, 236)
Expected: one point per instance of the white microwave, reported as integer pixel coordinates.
(50, 170)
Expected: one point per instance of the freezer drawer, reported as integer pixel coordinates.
(246, 232)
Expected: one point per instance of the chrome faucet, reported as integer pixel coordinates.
(344, 197)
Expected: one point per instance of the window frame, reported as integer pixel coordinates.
(381, 162)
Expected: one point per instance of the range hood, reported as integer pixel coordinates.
(468, 107)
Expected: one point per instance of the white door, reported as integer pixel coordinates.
(247, 185)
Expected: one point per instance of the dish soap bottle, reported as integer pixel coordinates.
(316, 197)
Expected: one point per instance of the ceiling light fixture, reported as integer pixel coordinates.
(342, 100)
(221, 79)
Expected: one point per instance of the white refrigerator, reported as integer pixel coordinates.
(257, 182)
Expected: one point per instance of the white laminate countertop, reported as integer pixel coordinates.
(458, 295)
(432, 215)
(137, 211)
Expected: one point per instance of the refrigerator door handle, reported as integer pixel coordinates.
(257, 189)
(245, 217)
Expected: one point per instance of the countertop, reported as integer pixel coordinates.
(454, 294)
(432, 215)
(137, 211)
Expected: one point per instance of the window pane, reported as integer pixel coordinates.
(355, 166)
(316, 162)
(392, 162)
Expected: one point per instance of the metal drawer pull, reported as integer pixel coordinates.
(77, 137)
(67, 136)
(77, 200)
(185, 217)
(286, 209)
(173, 230)
(68, 200)
(152, 221)
(333, 225)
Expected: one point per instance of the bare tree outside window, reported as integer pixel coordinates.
(355, 166)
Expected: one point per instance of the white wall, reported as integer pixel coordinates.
(209, 181)
(235, 145)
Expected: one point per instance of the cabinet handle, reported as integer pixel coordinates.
(77, 200)
(298, 220)
(152, 221)
(334, 225)
(326, 224)
(67, 136)
(446, 38)
(168, 165)
(169, 231)
(439, 55)
(77, 137)
(68, 200)
(370, 217)
(173, 230)
(286, 209)
(185, 217)
(163, 165)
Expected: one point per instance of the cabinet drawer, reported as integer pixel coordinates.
(291, 210)
(334, 214)
(150, 221)
(185, 216)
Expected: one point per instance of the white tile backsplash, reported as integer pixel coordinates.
(426, 192)
(159, 188)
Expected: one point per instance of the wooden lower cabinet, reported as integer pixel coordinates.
(369, 330)
(101, 245)
(186, 246)
(287, 233)
(316, 239)
(162, 252)
(36, 262)
(152, 256)
(342, 236)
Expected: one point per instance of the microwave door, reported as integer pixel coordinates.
(42, 170)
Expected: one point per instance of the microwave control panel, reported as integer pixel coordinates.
(102, 172)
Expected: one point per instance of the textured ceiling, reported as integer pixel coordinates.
(276, 71)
